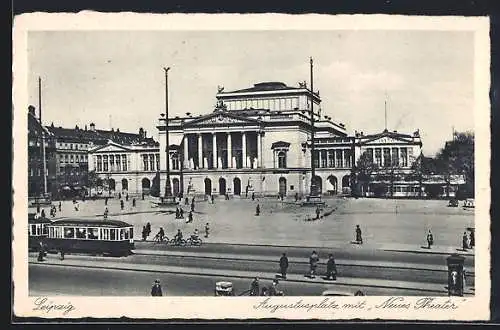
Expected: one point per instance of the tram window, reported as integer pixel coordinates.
(45, 230)
(113, 234)
(38, 230)
(126, 233)
(81, 233)
(105, 233)
(33, 230)
(131, 233)
(69, 232)
(122, 232)
(93, 233)
(58, 232)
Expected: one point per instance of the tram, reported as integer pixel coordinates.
(37, 231)
(98, 237)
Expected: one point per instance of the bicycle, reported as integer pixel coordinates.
(177, 242)
(194, 241)
(160, 240)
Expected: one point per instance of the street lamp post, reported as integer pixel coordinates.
(168, 188)
(313, 189)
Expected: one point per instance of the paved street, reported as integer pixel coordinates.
(385, 223)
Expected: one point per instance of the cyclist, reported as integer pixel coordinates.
(178, 236)
(194, 236)
(160, 236)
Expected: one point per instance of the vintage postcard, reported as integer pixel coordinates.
(251, 166)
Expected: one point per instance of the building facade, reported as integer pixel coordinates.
(256, 140)
(125, 168)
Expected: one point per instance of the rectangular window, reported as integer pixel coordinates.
(93, 233)
(331, 158)
(81, 233)
(369, 153)
(378, 156)
(69, 232)
(323, 158)
(316, 158)
(122, 234)
(45, 229)
(105, 163)
(387, 157)
(151, 162)
(112, 162)
(347, 158)
(126, 232)
(112, 235)
(124, 163)
(338, 158)
(157, 156)
(33, 230)
(395, 156)
(145, 162)
(404, 157)
(105, 234)
(291, 187)
(118, 163)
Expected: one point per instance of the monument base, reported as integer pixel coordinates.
(167, 201)
(312, 200)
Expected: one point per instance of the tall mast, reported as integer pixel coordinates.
(313, 183)
(168, 190)
(44, 172)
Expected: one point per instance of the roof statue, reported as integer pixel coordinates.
(220, 89)
(303, 84)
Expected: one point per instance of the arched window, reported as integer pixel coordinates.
(282, 159)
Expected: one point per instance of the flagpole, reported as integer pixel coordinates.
(168, 189)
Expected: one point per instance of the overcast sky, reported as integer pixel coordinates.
(115, 79)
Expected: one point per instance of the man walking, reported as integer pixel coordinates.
(465, 246)
(156, 289)
(207, 230)
(283, 265)
(430, 239)
(313, 263)
(257, 210)
(359, 238)
(254, 287)
(331, 268)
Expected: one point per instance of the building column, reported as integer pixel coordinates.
(229, 151)
(319, 158)
(327, 157)
(186, 151)
(259, 146)
(214, 149)
(200, 151)
(342, 158)
(244, 148)
(373, 155)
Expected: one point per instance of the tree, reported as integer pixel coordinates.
(363, 170)
(155, 186)
(457, 158)
(92, 180)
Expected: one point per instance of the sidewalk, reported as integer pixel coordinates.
(425, 288)
(249, 257)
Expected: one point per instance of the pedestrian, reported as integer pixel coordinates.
(192, 205)
(119, 195)
(133, 202)
(126, 197)
(181, 213)
(254, 287)
(318, 211)
(156, 289)
(331, 268)
(283, 265)
(122, 205)
(464, 242)
(313, 263)
(148, 228)
(190, 217)
(60, 206)
(144, 233)
(43, 213)
(62, 254)
(186, 201)
(257, 210)
(142, 196)
(253, 196)
(359, 238)
(212, 198)
(273, 290)
(207, 230)
(77, 206)
(296, 196)
(106, 211)
(41, 251)
(37, 208)
(106, 201)
(177, 213)
(430, 239)
(471, 239)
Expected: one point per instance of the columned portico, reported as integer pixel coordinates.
(200, 151)
(244, 155)
(229, 151)
(214, 150)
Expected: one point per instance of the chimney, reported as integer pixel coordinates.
(76, 128)
(145, 134)
(117, 130)
(141, 133)
(31, 110)
(85, 126)
(92, 127)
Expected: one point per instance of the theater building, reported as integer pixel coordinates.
(256, 140)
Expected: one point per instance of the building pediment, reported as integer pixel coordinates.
(280, 144)
(386, 140)
(110, 147)
(221, 118)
